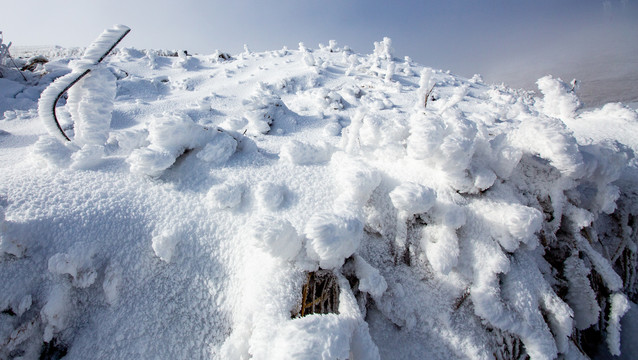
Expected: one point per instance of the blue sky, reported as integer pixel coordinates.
(463, 36)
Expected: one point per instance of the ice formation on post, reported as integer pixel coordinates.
(93, 55)
(456, 219)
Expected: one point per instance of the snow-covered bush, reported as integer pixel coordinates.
(170, 135)
(4, 50)
(558, 101)
(264, 108)
(383, 49)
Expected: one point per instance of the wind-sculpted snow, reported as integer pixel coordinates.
(459, 219)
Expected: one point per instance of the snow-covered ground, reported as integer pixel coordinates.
(460, 219)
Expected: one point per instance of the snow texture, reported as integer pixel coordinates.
(199, 191)
(225, 196)
(269, 195)
(332, 238)
(277, 237)
(298, 153)
(619, 306)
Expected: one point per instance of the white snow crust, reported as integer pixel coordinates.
(199, 191)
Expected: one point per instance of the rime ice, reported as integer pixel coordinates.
(459, 219)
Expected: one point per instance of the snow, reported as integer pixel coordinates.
(198, 192)
(581, 298)
(269, 195)
(559, 101)
(332, 238)
(277, 237)
(619, 306)
(225, 196)
(300, 153)
(164, 245)
(412, 198)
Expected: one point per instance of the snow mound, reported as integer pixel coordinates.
(225, 196)
(332, 238)
(219, 149)
(169, 136)
(269, 195)
(265, 108)
(164, 245)
(277, 237)
(298, 153)
(412, 198)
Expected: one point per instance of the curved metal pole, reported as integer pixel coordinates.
(55, 117)
(57, 98)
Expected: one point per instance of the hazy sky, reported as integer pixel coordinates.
(464, 36)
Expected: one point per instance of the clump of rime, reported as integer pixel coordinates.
(277, 237)
(170, 135)
(332, 238)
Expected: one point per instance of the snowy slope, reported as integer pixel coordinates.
(489, 223)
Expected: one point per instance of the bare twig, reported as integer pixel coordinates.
(427, 96)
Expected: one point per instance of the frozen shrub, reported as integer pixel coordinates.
(619, 306)
(219, 149)
(169, 136)
(264, 108)
(383, 49)
(91, 105)
(4, 50)
(558, 101)
(580, 296)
